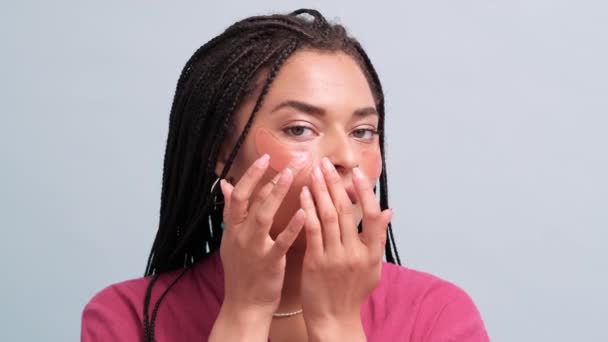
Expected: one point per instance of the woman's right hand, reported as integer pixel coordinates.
(254, 263)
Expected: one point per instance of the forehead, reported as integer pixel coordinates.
(331, 80)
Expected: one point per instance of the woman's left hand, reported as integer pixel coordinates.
(341, 267)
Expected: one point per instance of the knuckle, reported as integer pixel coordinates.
(351, 266)
(372, 214)
(328, 216)
(262, 194)
(263, 219)
(239, 195)
(344, 209)
(281, 245)
(254, 169)
(240, 217)
(334, 179)
(314, 231)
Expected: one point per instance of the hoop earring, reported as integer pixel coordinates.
(215, 194)
(217, 180)
(216, 202)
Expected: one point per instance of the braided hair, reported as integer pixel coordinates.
(212, 84)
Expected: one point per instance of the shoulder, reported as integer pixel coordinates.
(432, 308)
(421, 286)
(116, 312)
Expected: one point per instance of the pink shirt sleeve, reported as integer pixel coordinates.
(187, 312)
(455, 318)
(415, 306)
(111, 316)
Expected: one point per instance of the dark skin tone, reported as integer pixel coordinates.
(294, 244)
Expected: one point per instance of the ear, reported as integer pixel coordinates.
(221, 162)
(222, 159)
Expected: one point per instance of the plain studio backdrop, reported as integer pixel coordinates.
(497, 116)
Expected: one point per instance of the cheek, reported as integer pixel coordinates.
(371, 163)
(281, 154)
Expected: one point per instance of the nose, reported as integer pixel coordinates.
(341, 153)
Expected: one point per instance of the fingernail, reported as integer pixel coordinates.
(285, 176)
(305, 193)
(317, 172)
(358, 172)
(327, 164)
(263, 160)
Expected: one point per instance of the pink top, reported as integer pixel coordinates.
(406, 305)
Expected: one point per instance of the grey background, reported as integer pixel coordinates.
(497, 114)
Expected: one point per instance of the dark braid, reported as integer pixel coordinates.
(284, 54)
(383, 176)
(213, 83)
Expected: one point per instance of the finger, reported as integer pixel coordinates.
(326, 210)
(284, 240)
(342, 203)
(264, 215)
(387, 216)
(371, 220)
(263, 194)
(227, 193)
(376, 245)
(314, 240)
(243, 189)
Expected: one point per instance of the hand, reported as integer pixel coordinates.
(340, 267)
(254, 264)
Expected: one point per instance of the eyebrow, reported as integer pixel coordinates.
(318, 111)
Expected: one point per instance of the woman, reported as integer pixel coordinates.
(269, 223)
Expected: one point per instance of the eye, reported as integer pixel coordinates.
(298, 131)
(365, 133)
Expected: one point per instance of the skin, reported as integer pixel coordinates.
(297, 239)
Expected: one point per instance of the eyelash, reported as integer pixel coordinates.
(367, 130)
(289, 131)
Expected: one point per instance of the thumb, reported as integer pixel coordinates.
(227, 192)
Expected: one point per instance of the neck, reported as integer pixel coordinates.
(290, 295)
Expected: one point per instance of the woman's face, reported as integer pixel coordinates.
(319, 106)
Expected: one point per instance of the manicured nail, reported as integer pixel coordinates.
(223, 186)
(329, 167)
(317, 173)
(305, 193)
(358, 173)
(263, 160)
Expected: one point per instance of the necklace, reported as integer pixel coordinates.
(286, 314)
